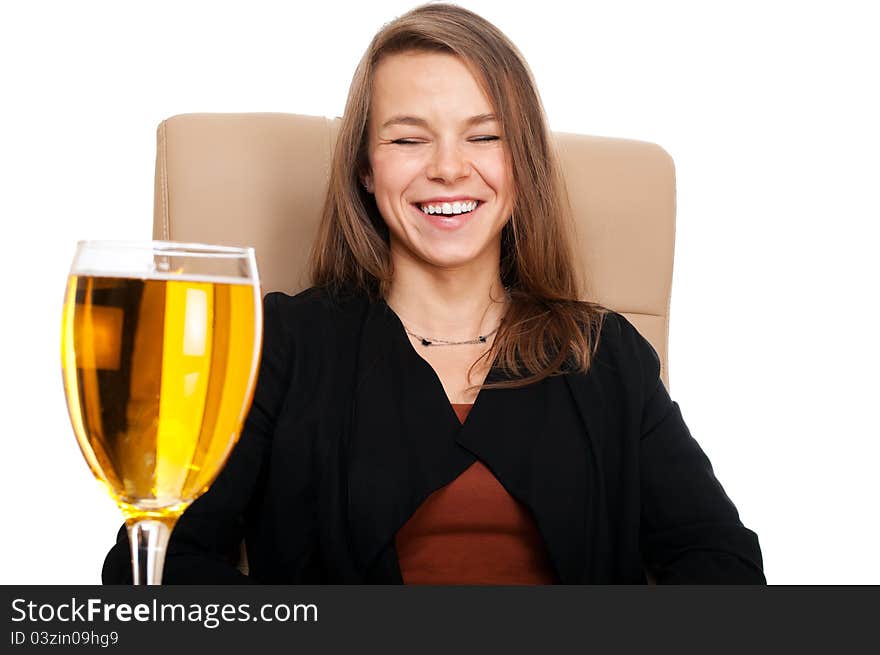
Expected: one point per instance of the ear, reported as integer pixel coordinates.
(367, 182)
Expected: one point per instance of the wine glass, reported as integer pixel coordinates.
(160, 344)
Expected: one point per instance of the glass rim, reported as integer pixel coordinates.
(169, 248)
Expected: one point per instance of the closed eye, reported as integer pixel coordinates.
(478, 139)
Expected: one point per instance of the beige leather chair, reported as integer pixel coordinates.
(259, 180)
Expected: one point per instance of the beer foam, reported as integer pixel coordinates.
(167, 277)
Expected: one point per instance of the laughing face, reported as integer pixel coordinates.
(439, 168)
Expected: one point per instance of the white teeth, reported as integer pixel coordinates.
(450, 208)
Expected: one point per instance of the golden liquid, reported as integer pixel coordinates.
(159, 375)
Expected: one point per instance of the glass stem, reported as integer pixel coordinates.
(148, 539)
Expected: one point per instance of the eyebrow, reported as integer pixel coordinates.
(421, 122)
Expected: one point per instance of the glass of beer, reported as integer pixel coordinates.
(160, 344)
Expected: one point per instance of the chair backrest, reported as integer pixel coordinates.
(259, 180)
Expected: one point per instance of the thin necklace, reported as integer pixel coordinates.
(431, 341)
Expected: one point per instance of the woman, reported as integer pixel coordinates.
(439, 407)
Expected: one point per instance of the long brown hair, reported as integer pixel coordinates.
(547, 330)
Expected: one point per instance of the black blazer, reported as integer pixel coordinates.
(351, 430)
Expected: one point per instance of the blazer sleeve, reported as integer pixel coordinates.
(690, 530)
(205, 544)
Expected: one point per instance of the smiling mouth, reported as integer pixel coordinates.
(448, 208)
(448, 222)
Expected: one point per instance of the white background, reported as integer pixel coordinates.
(769, 110)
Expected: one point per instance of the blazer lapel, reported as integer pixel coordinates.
(533, 440)
(402, 442)
(591, 406)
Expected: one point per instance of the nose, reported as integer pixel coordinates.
(447, 163)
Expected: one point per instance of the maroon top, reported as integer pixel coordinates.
(472, 532)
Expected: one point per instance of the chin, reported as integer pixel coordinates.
(444, 251)
(449, 257)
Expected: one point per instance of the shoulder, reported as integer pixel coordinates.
(302, 332)
(619, 331)
(315, 309)
(625, 353)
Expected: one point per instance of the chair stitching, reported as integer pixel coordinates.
(672, 269)
(166, 219)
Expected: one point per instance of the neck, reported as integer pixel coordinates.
(451, 304)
